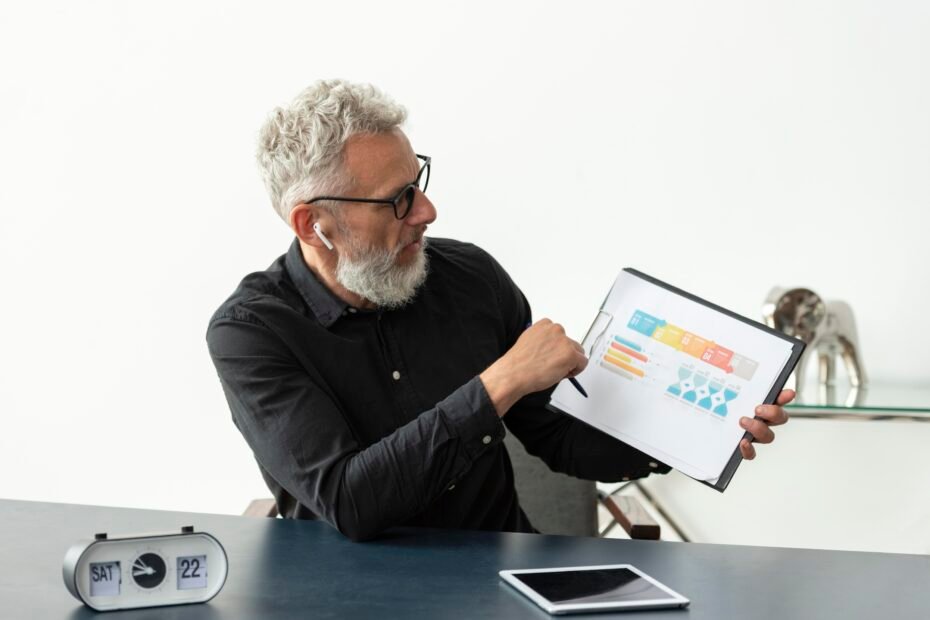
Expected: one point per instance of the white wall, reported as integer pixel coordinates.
(723, 146)
(835, 484)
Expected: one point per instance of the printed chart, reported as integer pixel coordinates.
(685, 365)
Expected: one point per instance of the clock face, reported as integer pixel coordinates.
(149, 570)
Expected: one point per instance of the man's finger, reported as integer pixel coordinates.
(785, 397)
(773, 414)
(759, 430)
(746, 449)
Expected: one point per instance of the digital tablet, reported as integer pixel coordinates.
(573, 589)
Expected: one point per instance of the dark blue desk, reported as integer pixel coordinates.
(294, 569)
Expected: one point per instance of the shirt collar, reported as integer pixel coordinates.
(326, 306)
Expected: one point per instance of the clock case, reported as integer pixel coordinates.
(78, 550)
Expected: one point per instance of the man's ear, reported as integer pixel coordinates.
(301, 220)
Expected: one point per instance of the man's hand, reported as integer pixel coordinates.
(541, 357)
(766, 417)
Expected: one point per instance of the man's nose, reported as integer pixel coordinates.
(422, 211)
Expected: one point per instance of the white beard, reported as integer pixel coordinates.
(373, 273)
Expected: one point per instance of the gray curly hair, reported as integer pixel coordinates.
(300, 146)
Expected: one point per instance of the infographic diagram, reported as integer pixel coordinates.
(685, 366)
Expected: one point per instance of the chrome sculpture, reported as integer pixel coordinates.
(828, 328)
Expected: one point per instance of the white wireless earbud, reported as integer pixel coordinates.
(319, 233)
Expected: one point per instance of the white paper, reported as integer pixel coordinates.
(672, 377)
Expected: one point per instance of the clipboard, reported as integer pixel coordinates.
(694, 386)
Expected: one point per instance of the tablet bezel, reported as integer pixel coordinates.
(674, 598)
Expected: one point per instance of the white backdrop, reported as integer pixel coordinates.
(723, 146)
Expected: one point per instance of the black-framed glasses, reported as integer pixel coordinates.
(402, 202)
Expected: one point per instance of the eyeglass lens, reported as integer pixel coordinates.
(405, 201)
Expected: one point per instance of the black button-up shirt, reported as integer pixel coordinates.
(374, 418)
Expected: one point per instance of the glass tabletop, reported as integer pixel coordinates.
(908, 400)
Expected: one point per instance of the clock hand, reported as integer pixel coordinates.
(141, 568)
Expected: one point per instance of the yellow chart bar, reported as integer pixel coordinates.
(624, 366)
(620, 356)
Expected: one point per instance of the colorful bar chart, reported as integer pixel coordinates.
(614, 356)
(623, 355)
(616, 346)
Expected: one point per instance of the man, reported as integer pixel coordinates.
(370, 368)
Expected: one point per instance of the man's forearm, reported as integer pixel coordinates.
(502, 388)
(541, 357)
(403, 474)
(361, 492)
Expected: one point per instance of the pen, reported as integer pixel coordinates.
(573, 380)
(578, 387)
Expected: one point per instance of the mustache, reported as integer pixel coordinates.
(417, 236)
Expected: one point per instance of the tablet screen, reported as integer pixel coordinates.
(592, 586)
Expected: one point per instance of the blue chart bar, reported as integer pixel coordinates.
(627, 343)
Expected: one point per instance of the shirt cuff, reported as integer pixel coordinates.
(473, 418)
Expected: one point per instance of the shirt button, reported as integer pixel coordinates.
(625, 479)
(486, 439)
(452, 487)
(653, 464)
(352, 310)
(396, 375)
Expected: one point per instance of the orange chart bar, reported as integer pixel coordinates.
(632, 369)
(629, 351)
